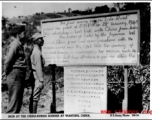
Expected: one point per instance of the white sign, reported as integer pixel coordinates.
(85, 89)
(111, 39)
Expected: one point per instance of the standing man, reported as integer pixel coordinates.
(15, 68)
(37, 62)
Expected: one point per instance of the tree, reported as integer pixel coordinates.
(76, 11)
(113, 9)
(37, 14)
(119, 6)
(89, 10)
(69, 10)
(102, 9)
(4, 20)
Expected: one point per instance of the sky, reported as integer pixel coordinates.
(15, 9)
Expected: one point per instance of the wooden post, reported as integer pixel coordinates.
(53, 104)
(125, 101)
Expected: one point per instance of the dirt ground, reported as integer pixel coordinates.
(44, 102)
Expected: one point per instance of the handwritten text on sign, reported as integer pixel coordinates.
(85, 89)
(101, 40)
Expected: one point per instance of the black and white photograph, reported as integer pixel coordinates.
(73, 59)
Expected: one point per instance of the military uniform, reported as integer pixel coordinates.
(15, 67)
(37, 63)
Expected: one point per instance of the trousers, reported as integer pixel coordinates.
(36, 91)
(15, 83)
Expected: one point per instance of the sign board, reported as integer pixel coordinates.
(102, 39)
(85, 89)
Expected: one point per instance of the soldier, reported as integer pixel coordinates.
(37, 63)
(14, 68)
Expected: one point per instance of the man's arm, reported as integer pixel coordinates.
(38, 67)
(10, 58)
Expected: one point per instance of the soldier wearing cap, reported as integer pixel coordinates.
(37, 63)
(15, 67)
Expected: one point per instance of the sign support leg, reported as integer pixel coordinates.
(125, 101)
(53, 104)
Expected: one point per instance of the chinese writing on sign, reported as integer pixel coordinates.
(85, 89)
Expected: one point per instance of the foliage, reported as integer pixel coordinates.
(113, 9)
(4, 20)
(102, 9)
(136, 75)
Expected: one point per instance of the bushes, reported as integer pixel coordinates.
(136, 74)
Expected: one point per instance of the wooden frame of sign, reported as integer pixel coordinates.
(98, 39)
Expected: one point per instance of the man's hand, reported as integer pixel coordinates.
(41, 84)
(4, 76)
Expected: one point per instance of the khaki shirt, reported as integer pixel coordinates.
(37, 62)
(15, 57)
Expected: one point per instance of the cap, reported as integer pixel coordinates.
(36, 36)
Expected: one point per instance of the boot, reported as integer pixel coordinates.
(31, 107)
(34, 107)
